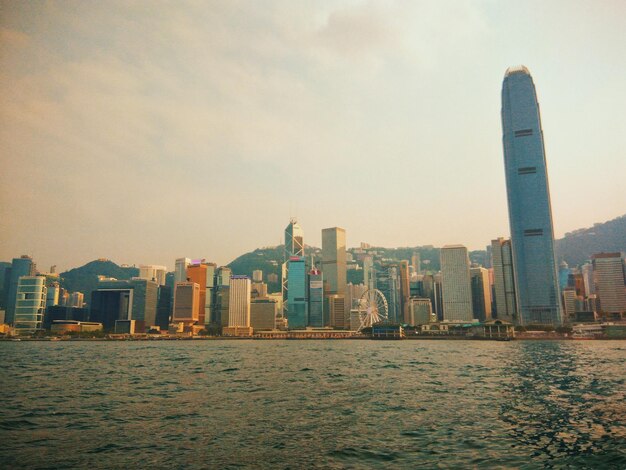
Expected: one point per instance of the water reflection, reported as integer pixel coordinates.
(565, 403)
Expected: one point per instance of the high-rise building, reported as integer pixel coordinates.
(405, 290)
(530, 213)
(134, 299)
(587, 273)
(180, 270)
(416, 263)
(197, 273)
(186, 303)
(337, 310)
(294, 240)
(22, 266)
(387, 280)
(76, 300)
(368, 271)
(294, 246)
(263, 313)
(316, 298)
(298, 311)
(221, 296)
(52, 296)
(504, 280)
(420, 312)
(334, 260)
(257, 275)
(30, 304)
(569, 302)
(608, 274)
(456, 285)
(239, 302)
(153, 273)
(481, 293)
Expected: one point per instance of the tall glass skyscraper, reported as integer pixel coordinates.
(530, 213)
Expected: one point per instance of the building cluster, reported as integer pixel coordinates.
(519, 284)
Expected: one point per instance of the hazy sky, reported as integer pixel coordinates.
(147, 131)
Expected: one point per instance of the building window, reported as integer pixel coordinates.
(527, 170)
(533, 232)
(523, 132)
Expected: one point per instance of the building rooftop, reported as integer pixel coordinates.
(516, 69)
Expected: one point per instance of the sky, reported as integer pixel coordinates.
(147, 131)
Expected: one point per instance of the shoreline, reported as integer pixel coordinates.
(241, 338)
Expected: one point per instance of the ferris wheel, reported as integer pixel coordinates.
(372, 308)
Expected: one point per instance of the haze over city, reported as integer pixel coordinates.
(145, 132)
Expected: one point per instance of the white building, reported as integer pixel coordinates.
(180, 270)
(608, 275)
(155, 273)
(239, 301)
(456, 284)
(30, 304)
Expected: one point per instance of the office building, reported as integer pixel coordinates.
(456, 284)
(180, 270)
(52, 296)
(587, 273)
(294, 246)
(297, 313)
(259, 290)
(164, 307)
(530, 213)
(416, 263)
(337, 311)
(257, 275)
(76, 300)
(316, 298)
(220, 296)
(186, 303)
(334, 260)
(198, 273)
(263, 313)
(153, 273)
(420, 312)
(504, 280)
(60, 313)
(134, 299)
(405, 290)
(481, 293)
(22, 266)
(387, 280)
(608, 274)
(569, 303)
(239, 301)
(30, 304)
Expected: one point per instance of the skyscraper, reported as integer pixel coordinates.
(22, 266)
(153, 273)
(186, 302)
(456, 285)
(481, 293)
(294, 246)
(30, 304)
(530, 213)
(608, 274)
(316, 298)
(180, 270)
(504, 279)
(239, 302)
(334, 260)
(298, 313)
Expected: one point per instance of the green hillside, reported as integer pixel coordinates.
(85, 278)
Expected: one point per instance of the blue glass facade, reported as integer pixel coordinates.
(298, 313)
(530, 213)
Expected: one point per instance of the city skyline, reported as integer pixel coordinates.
(327, 112)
